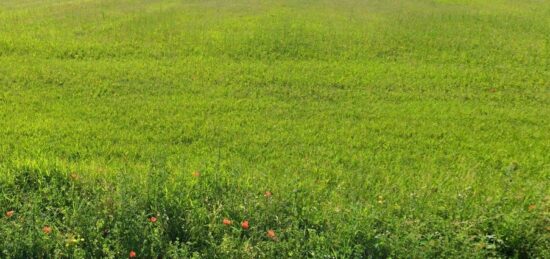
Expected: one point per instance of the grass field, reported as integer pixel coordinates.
(351, 129)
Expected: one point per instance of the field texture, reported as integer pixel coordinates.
(274, 129)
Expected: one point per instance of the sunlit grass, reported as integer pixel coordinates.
(380, 128)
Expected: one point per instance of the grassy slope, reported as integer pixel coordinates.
(410, 128)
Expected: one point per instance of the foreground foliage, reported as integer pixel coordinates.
(191, 215)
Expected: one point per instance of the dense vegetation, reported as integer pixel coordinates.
(336, 129)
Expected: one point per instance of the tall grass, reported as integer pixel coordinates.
(352, 129)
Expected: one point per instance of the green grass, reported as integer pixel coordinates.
(417, 129)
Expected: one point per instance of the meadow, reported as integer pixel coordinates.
(274, 129)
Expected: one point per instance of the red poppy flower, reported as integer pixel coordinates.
(9, 213)
(271, 234)
(132, 254)
(47, 230)
(245, 225)
(268, 194)
(226, 221)
(152, 219)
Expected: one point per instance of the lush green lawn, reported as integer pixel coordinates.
(404, 128)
